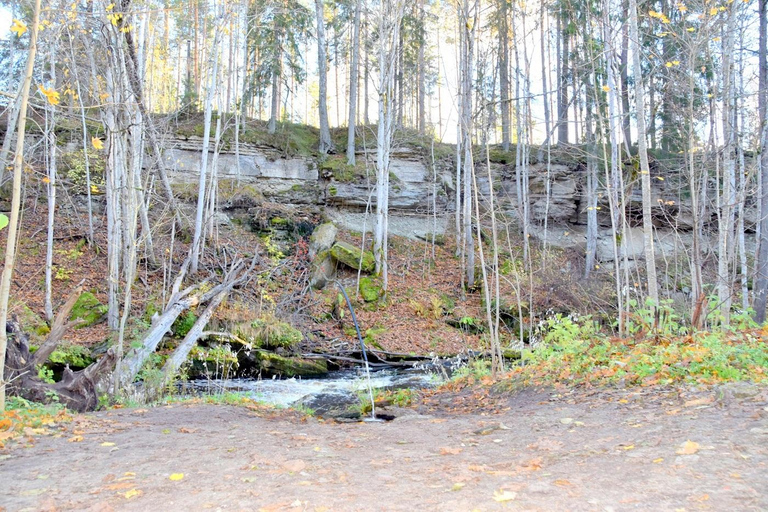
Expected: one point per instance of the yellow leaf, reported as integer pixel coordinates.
(97, 143)
(713, 11)
(176, 476)
(110, 6)
(688, 448)
(46, 179)
(75, 439)
(659, 460)
(629, 447)
(107, 443)
(502, 496)
(682, 8)
(676, 62)
(94, 189)
(50, 94)
(668, 64)
(18, 27)
(606, 88)
(691, 29)
(654, 14)
(132, 494)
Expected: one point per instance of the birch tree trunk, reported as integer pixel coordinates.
(13, 224)
(197, 241)
(389, 20)
(761, 283)
(642, 146)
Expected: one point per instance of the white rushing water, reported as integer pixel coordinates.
(284, 392)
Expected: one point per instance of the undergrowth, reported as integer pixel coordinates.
(573, 351)
(25, 418)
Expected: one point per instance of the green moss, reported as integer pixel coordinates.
(353, 257)
(280, 222)
(183, 324)
(499, 156)
(371, 336)
(76, 356)
(268, 332)
(290, 366)
(370, 289)
(88, 309)
(333, 190)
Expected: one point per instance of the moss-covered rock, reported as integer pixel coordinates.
(275, 364)
(88, 310)
(322, 238)
(370, 289)
(353, 257)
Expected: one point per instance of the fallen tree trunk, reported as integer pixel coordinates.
(133, 361)
(179, 356)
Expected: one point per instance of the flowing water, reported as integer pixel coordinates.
(341, 387)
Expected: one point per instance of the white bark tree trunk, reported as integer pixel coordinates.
(13, 224)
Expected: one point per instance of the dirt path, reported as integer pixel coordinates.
(543, 451)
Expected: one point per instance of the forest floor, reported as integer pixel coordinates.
(457, 449)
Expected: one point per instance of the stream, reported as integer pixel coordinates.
(334, 395)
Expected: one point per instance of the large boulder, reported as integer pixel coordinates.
(322, 270)
(322, 239)
(353, 257)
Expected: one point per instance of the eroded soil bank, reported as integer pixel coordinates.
(534, 450)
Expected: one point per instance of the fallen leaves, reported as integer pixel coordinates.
(688, 448)
(450, 450)
(75, 439)
(501, 496)
(107, 443)
(133, 493)
(176, 477)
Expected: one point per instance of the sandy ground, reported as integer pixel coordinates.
(534, 450)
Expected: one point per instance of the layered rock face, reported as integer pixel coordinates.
(422, 198)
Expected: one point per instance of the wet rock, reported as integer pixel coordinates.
(333, 405)
(274, 364)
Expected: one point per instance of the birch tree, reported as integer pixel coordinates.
(642, 147)
(13, 224)
(389, 17)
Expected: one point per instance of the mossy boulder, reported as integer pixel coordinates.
(353, 257)
(322, 239)
(275, 364)
(88, 310)
(370, 289)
